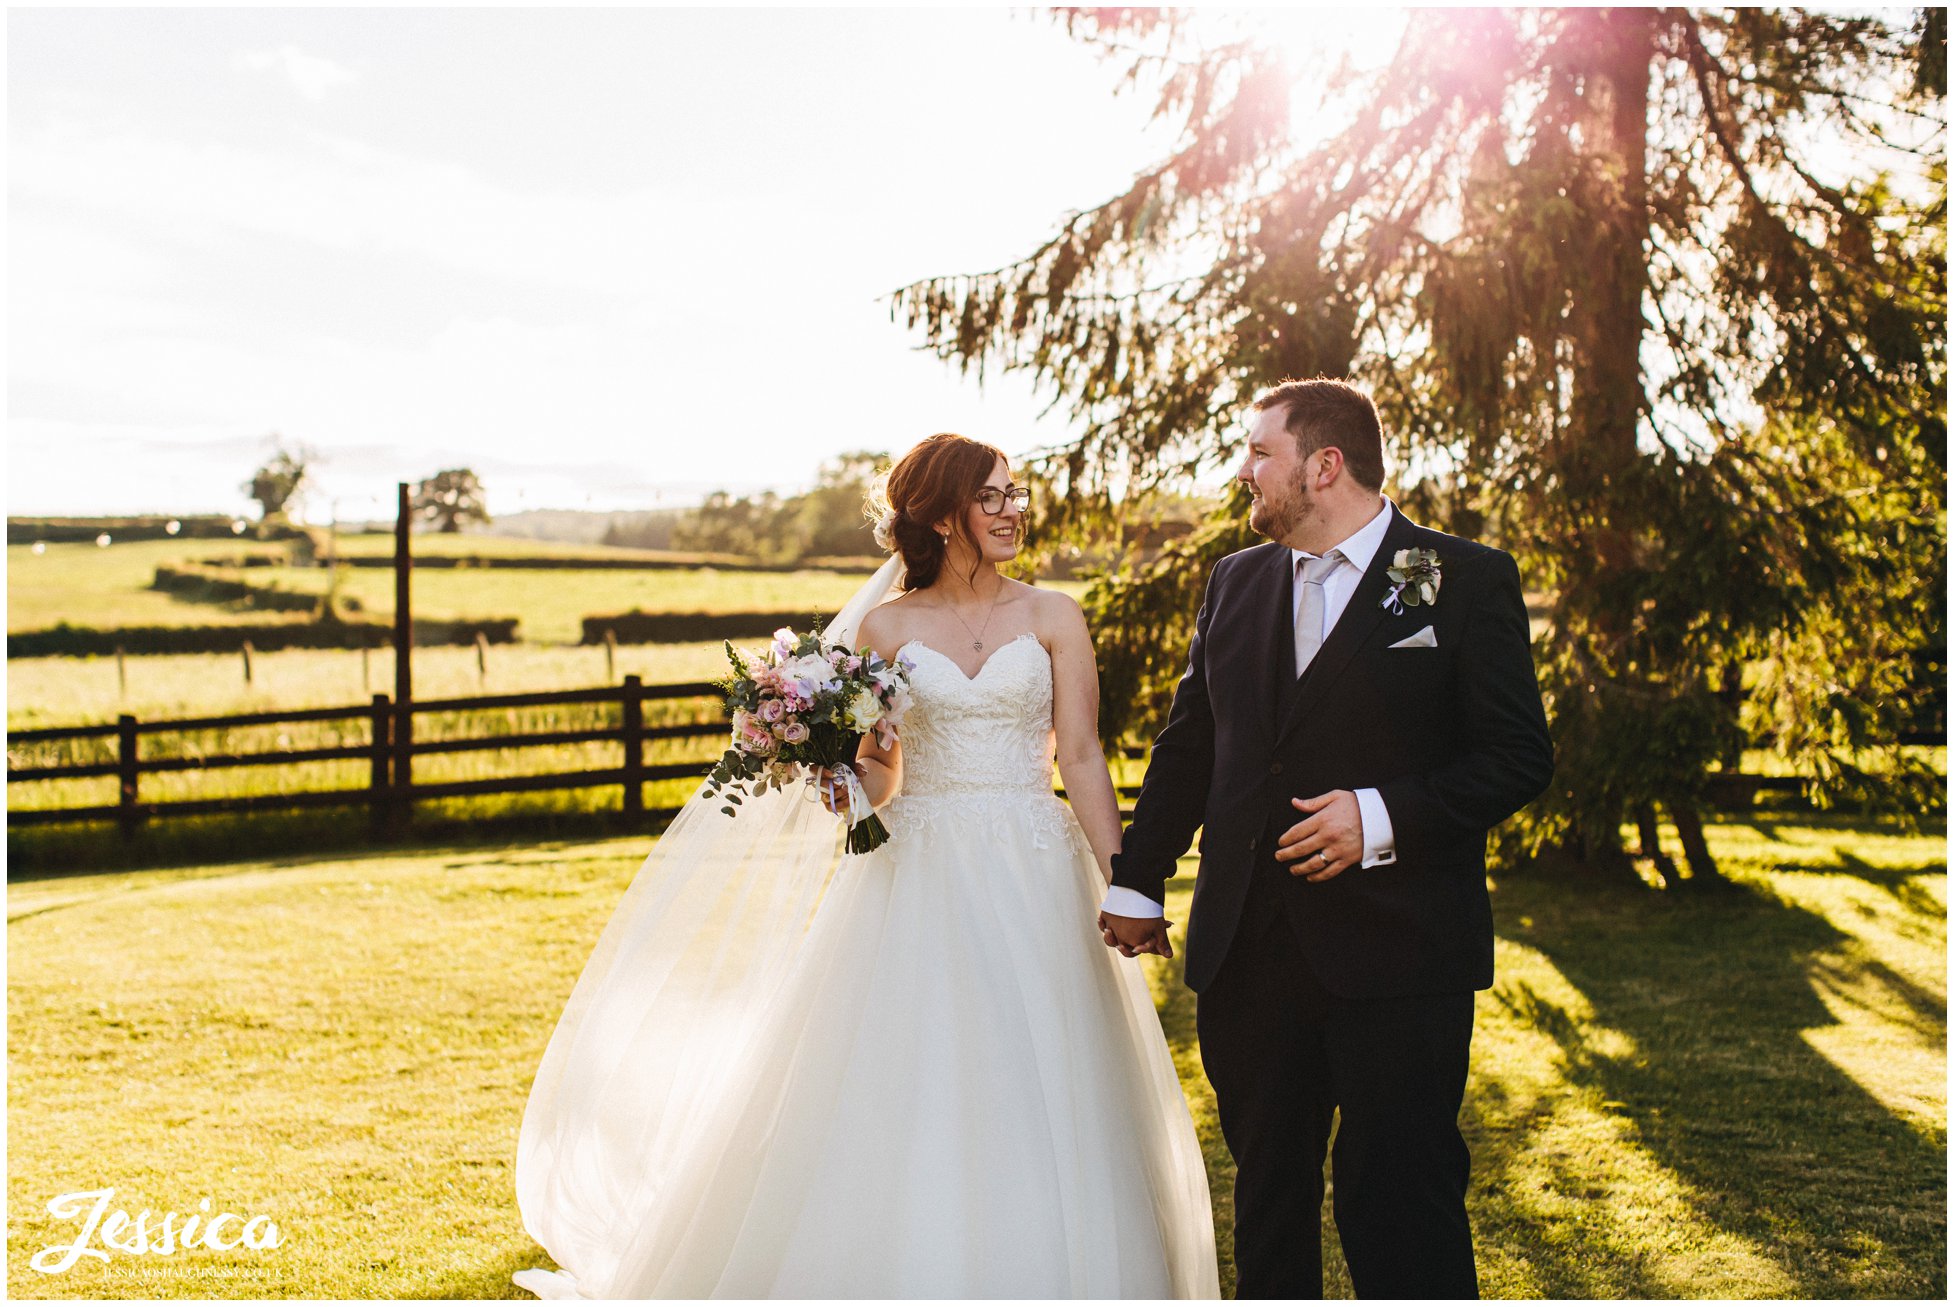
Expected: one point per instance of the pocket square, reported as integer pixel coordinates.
(1425, 639)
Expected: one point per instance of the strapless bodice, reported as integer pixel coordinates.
(988, 732)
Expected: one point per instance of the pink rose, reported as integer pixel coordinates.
(772, 710)
(793, 732)
(751, 736)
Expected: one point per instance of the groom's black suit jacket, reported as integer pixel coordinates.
(1452, 737)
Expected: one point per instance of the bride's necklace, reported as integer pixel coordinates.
(977, 636)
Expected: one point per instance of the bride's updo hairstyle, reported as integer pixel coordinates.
(935, 480)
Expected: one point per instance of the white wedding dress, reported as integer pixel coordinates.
(952, 1090)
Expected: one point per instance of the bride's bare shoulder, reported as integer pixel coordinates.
(1053, 606)
(885, 627)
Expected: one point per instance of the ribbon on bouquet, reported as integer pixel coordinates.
(862, 828)
(858, 806)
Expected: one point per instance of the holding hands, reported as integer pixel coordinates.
(1329, 839)
(1133, 936)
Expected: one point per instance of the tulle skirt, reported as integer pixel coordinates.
(958, 1092)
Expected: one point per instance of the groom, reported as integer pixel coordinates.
(1344, 743)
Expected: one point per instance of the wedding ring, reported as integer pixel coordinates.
(1325, 855)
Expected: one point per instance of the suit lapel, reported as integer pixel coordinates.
(1278, 656)
(1354, 625)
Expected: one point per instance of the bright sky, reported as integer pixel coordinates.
(606, 258)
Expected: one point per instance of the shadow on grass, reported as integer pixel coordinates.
(1775, 1143)
(1903, 883)
(1498, 1128)
(290, 839)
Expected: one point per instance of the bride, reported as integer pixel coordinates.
(916, 1072)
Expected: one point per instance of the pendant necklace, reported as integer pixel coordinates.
(977, 636)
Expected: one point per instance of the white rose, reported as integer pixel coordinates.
(864, 710)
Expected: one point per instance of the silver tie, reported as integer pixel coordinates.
(1310, 574)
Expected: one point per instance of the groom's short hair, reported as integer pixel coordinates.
(1323, 413)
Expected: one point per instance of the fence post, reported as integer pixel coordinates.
(634, 752)
(403, 776)
(402, 807)
(381, 726)
(127, 818)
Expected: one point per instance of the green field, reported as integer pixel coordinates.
(380, 544)
(83, 585)
(104, 588)
(553, 603)
(1731, 1096)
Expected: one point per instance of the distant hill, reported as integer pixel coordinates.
(649, 529)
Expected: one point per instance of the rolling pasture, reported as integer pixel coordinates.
(552, 604)
(88, 586)
(84, 585)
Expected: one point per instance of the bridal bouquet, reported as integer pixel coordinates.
(803, 703)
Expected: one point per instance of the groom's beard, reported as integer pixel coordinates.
(1278, 522)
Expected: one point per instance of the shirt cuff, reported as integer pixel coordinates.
(1380, 844)
(1124, 902)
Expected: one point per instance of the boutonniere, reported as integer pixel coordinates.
(1414, 579)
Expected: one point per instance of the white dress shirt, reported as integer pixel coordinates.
(1380, 845)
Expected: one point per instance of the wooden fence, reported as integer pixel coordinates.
(391, 747)
(390, 750)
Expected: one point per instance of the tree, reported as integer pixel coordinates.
(723, 524)
(276, 485)
(452, 498)
(823, 522)
(1655, 299)
(829, 518)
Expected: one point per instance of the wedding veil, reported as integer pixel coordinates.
(665, 1008)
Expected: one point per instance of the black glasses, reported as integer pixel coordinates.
(991, 499)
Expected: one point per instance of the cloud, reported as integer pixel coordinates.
(309, 75)
(329, 191)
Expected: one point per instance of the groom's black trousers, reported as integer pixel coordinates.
(1284, 1056)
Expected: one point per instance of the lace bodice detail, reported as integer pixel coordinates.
(984, 733)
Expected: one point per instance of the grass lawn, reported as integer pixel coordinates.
(1671, 1097)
